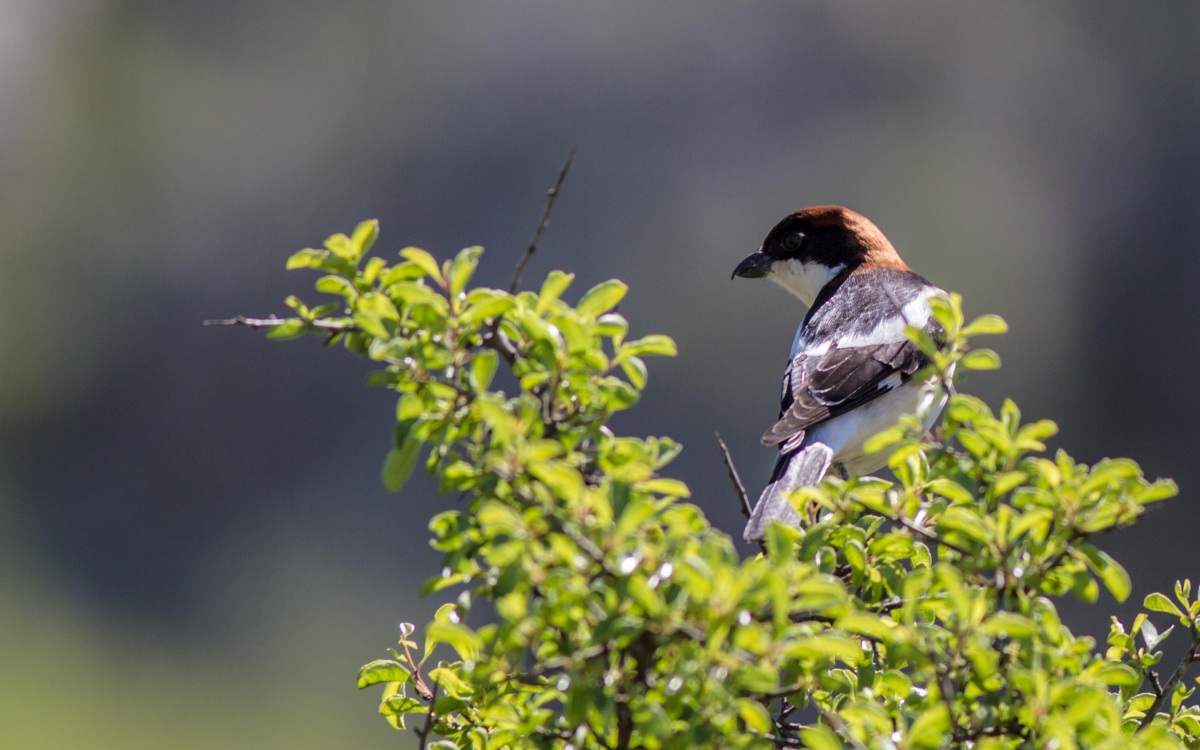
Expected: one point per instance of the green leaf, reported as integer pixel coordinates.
(409, 407)
(395, 704)
(817, 594)
(399, 463)
(382, 670)
(552, 288)
(1009, 625)
(376, 315)
(654, 344)
(340, 245)
(664, 486)
(946, 313)
(949, 489)
(755, 714)
(1118, 675)
(562, 481)
(612, 325)
(951, 580)
(455, 635)
(1157, 602)
(487, 306)
(930, 728)
(290, 329)
(601, 298)
(449, 682)
(1151, 635)
(986, 325)
(966, 408)
(541, 331)
(422, 260)
(1108, 570)
(980, 359)
(339, 285)
(965, 521)
(1158, 490)
(483, 369)
(886, 439)
(306, 258)
(406, 271)
(635, 370)
(869, 625)
(363, 237)
(820, 737)
(463, 268)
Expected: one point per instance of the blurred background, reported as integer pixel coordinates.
(195, 549)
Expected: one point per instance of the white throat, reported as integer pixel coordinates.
(805, 280)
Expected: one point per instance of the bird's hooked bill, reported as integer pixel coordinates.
(755, 266)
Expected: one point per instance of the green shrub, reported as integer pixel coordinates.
(918, 613)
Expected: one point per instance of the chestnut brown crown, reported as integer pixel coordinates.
(831, 236)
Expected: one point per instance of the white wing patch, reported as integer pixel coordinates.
(915, 312)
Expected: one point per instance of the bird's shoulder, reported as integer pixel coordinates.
(868, 307)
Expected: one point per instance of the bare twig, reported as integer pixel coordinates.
(415, 668)
(920, 531)
(424, 733)
(1163, 693)
(551, 196)
(738, 487)
(336, 324)
(733, 477)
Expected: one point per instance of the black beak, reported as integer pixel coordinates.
(755, 266)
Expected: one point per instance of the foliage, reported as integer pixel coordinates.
(918, 613)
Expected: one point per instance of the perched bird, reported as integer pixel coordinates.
(850, 371)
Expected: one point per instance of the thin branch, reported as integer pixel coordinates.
(947, 688)
(495, 340)
(337, 325)
(921, 531)
(733, 477)
(415, 668)
(551, 196)
(1164, 693)
(424, 733)
(738, 487)
(624, 724)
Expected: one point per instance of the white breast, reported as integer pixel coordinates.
(805, 280)
(847, 432)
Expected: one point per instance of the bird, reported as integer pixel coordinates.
(851, 369)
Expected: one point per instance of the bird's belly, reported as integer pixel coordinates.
(847, 433)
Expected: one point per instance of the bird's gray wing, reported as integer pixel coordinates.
(818, 387)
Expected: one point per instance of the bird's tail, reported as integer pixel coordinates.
(804, 468)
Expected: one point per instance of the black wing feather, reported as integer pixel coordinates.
(817, 388)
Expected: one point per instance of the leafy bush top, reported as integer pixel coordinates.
(915, 613)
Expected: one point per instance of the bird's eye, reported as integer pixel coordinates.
(792, 240)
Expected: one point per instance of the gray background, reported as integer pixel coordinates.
(194, 547)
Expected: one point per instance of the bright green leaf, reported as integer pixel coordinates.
(756, 716)
(383, 670)
(288, 329)
(980, 359)
(1108, 570)
(398, 465)
(601, 298)
(422, 260)
(1160, 603)
(363, 238)
(985, 325)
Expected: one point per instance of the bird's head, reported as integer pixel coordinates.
(812, 246)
